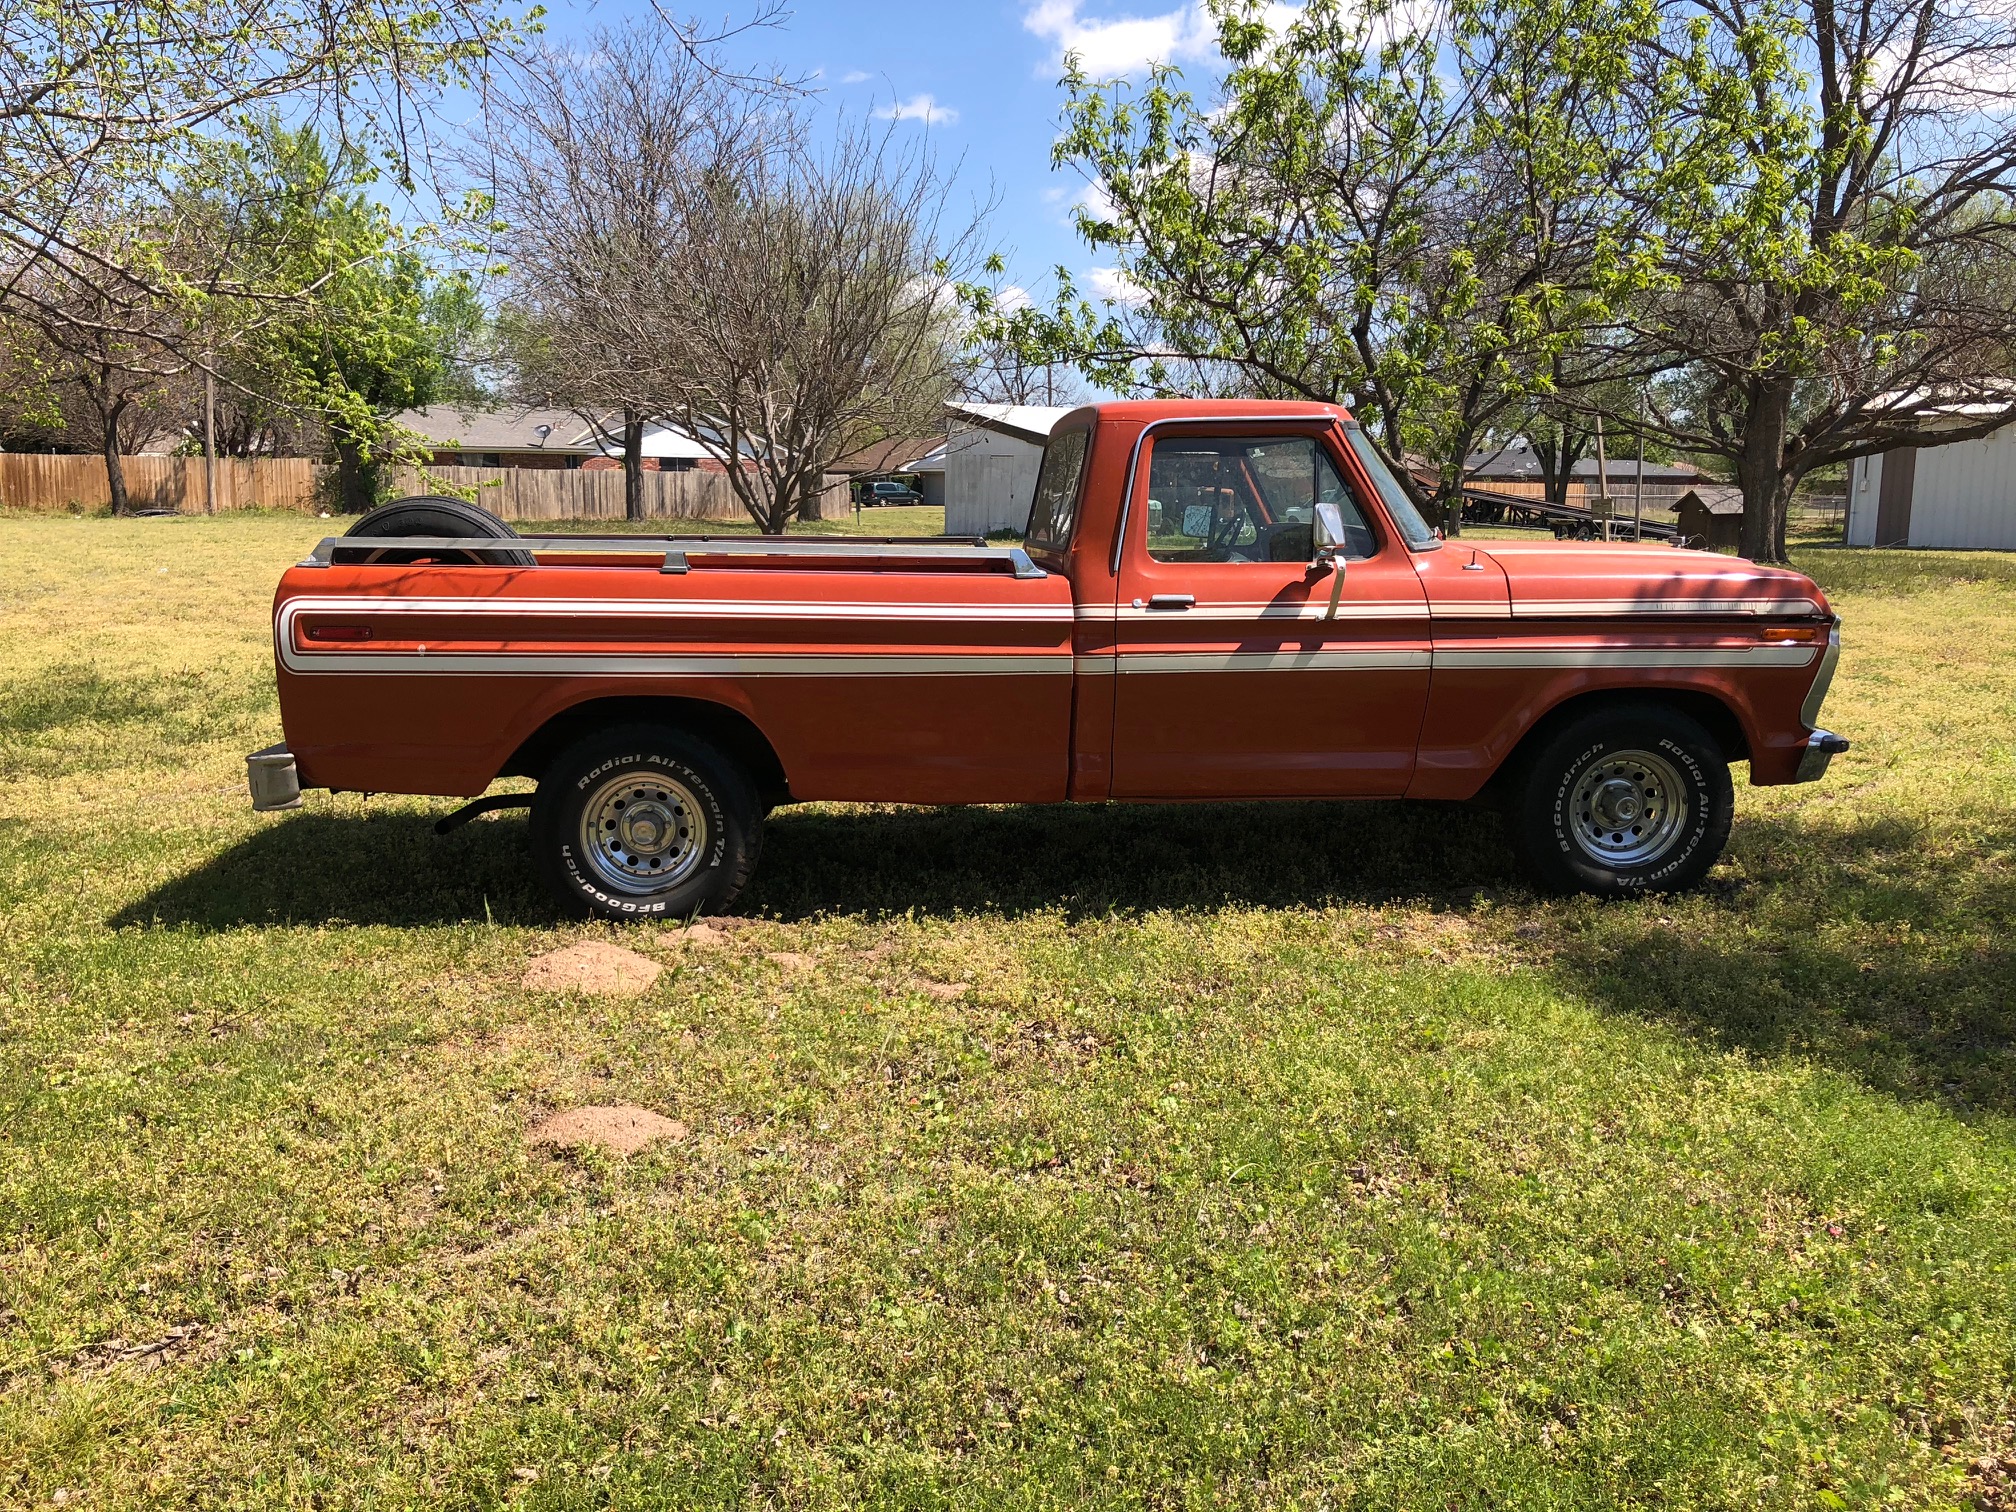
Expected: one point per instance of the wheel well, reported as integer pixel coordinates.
(1716, 717)
(733, 733)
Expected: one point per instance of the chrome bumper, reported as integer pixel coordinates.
(274, 782)
(1822, 746)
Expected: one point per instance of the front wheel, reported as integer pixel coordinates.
(1622, 800)
(641, 821)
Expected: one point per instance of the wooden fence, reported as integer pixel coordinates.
(58, 484)
(31, 480)
(526, 493)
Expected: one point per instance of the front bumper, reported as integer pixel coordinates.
(273, 779)
(1822, 746)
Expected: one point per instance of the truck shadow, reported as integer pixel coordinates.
(1857, 947)
(391, 869)
(1854, 947)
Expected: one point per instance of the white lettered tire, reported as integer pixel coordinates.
(1628, 798)
(645, 822)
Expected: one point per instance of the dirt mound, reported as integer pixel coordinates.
(699, 936)
(592, 967)
(621, 1129)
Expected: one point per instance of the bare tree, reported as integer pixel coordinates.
(1835, 212)
(680, 250)
(595, 160)
(813, 310)
(109, 343)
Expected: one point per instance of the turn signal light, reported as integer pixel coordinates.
(339, 632)
(1809, 634)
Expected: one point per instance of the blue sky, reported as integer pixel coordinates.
(979, 77)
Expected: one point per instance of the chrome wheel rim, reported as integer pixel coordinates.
(643, 834)
(1628, 808)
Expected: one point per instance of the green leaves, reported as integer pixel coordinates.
(345, 318)
(1414, 209)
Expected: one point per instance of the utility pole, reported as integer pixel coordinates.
(1638, 503)
(1602, 480)
(209, 434)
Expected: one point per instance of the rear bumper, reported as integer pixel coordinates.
(273, 779)
(1822, 746)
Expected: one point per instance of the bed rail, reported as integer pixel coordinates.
(677, 554)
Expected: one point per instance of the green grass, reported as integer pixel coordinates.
(1274, 1156)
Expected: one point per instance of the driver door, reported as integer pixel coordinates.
(1235, 675)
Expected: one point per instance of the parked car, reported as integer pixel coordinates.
(888, 491)
(1215, 601)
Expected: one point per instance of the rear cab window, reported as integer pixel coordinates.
(1053, 515)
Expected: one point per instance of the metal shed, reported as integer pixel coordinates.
(993, 453)
(1959, 496)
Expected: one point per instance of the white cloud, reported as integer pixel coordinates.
(1011, 298)
(855, 76)
(1110, 47)
(1115, 287)
(918, 108)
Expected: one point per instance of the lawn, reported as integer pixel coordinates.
(1162, 1158)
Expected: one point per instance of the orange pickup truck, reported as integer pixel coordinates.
(1215, 600)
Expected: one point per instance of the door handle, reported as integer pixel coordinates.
(1172, 600)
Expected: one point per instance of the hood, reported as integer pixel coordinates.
(1547, 578)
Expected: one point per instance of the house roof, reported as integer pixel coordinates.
(885, 456)
(1517, 461)
(501, 430)
(559, 431)
(932, 461)
(1029, 422)
(1716, 498)
(661, 441)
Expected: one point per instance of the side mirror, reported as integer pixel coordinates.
(1329, 530)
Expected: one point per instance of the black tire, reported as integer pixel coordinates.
(432, 515)
(699, 818)
(1631, 798)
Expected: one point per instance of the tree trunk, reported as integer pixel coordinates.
(1761, 473)
(633, 465)
(356, 482)
(115, 469)
(1558, 455)
(809, 492)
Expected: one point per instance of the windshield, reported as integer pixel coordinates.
(1406, 518)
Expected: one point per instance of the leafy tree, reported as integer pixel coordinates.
(1415, 208)
(100, 99)
(1832, 193)
(368, 327)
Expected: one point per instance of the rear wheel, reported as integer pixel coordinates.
(642, 821)
(1628, 799)
(433, 515)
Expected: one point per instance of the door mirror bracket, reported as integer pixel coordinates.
(1329, 530)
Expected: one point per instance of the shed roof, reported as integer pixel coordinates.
(1716, 498)
(1028, 422)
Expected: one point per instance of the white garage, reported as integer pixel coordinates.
(1960, 496)
(992, 455)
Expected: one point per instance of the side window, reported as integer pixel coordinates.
(1245, 499)
(1054, 511)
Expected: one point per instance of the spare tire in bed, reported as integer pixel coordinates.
(433, 515)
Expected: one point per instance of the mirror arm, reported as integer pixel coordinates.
(1338, 563)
